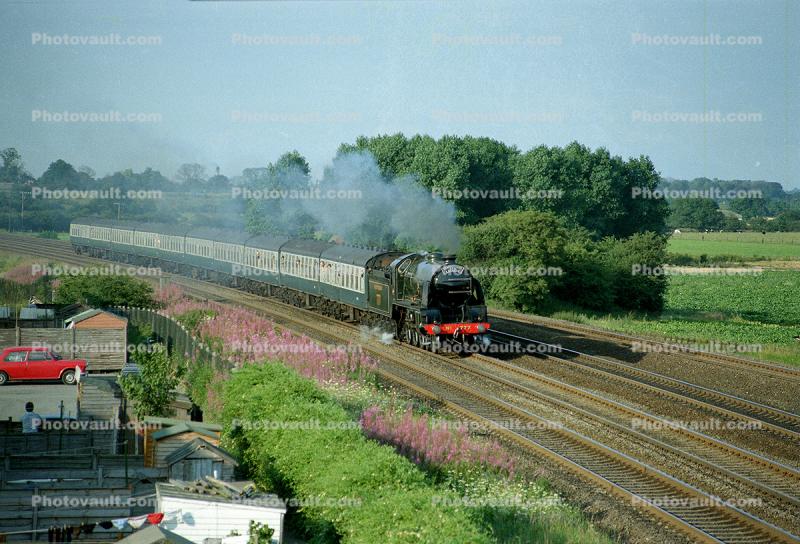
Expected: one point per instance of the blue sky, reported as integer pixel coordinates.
(235, 84)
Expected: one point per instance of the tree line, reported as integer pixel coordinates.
(570, 211)
(731, 205)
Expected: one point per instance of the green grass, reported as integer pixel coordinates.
(760, 310)
(63, 236)
(749, 245)
(11, 260)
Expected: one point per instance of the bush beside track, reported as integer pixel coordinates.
(374, 495)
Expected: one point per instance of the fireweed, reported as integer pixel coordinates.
(228, 329)
(24, 274)
(435, 443)
(244, 337)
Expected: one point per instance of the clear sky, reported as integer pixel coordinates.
(235, 84)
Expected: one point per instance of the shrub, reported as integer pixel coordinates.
(593, 275)
(193, 318)
(153, 388)
(514, 243)
(587, 281)
(643, 290)
(373, 495)
(105, 291)
(260, 533)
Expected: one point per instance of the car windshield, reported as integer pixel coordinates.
(55, 356)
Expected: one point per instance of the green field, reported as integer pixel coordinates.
(752, 310)
(64, 236)
(748, 245)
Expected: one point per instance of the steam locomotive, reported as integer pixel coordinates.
(424, 299)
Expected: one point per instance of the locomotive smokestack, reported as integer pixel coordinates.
(449, 259)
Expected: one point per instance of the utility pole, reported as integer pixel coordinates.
(22, 211)
(119, 207)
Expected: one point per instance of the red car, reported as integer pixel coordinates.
(17, 364)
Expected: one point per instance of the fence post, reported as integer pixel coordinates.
(182, 344)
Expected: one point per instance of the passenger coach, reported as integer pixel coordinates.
(422, 298)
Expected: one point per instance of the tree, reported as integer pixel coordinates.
(289, 161)
(105, 291)
(87, 171)
(276, 214)
(62, 175)
(510, 249)
(484, 177)
(393, 153)
(451, 166)
(788, 221)
(593, 189)
(13, 169)
(695, 213)
(154, 388)
(253, 176)
(218, 181)
(191, 174)
(732, 224)
(749, 208)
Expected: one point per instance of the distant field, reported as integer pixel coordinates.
(762, 310)
(749, 245)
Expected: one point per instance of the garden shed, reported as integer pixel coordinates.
(199, 458)
(165, 436)
(212, 509)
(96, 319)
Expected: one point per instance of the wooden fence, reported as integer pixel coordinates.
(178, 339)
(104, 349)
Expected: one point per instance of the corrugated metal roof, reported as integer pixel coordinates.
(91, 313)
(209, 489)
(198, 444)
(168, 421)
(185, 427)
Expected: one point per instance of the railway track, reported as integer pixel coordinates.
(628, 340)
(684, 508)
(780, 481)
(776, 420)
(616, 472)
(773, 419)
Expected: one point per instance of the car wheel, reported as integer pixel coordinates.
(3, 378)
(68, 377)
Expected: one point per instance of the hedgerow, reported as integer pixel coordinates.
(352, 489)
